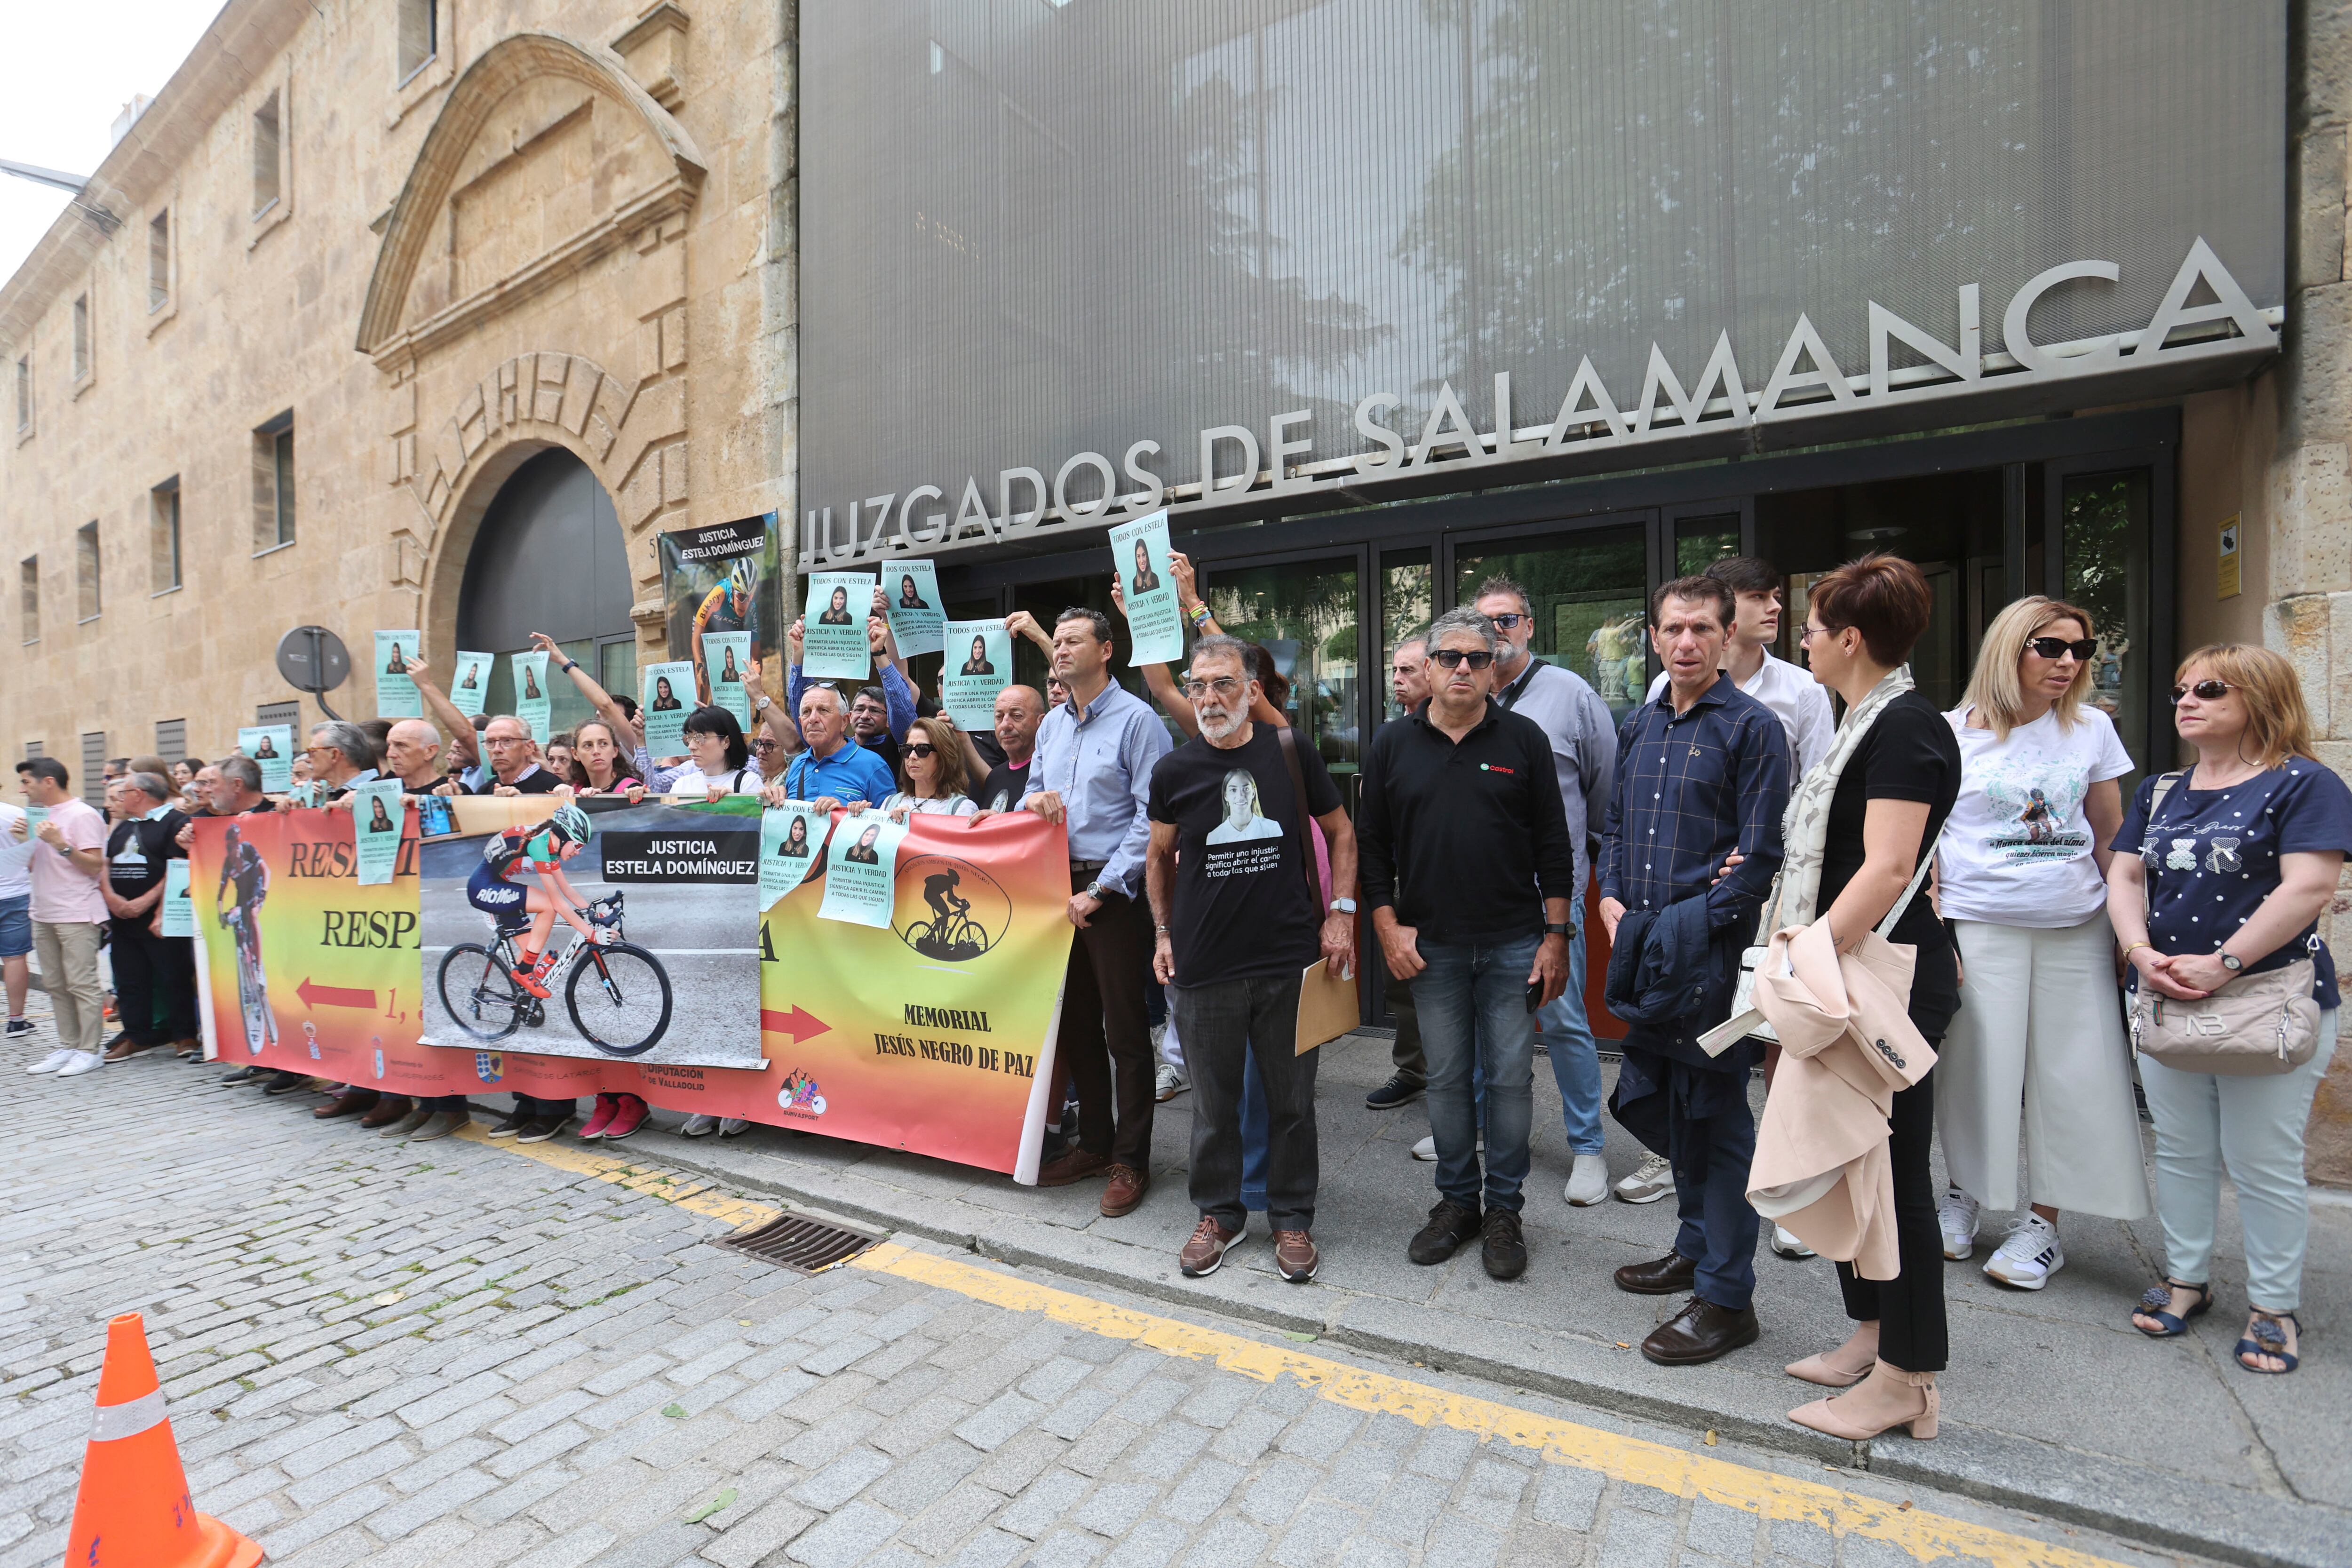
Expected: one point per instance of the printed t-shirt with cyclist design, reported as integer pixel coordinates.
(1242, 908)
(136, 850)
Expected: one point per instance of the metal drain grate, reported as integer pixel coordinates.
(807, 1246)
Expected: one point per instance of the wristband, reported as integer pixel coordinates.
(570, 665)
(2134, 948)
(1199, 615)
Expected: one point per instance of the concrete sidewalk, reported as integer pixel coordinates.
(2053, 1403)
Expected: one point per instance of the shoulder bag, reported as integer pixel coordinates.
(1743, 998)
(2257, 1024)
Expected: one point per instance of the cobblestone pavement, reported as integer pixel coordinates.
(459, 1352)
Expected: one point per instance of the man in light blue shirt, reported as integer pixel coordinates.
(834, 769)
(1094, 761)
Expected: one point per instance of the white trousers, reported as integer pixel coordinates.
(2253, 1127)
(2038, 1046)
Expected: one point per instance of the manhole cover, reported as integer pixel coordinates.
(790, 1241)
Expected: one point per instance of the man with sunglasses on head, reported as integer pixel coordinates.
(1584, 759)
(1469, 872)
(1703, 778)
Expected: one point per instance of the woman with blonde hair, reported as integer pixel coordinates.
(930, 772)
(2037, 1049)
(2222, 871)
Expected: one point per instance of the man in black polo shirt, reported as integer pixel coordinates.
(1467, 870)
(154, 976)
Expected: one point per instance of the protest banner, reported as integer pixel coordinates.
(662, 707)
(833, 638)
(377, 811)
(723, 581)
(982, 666)
(913, 606)
(731, 659)
(662, 965)
(933, 1032)
(395, 694)
(1155, 625)
(792, 844)
(860, 868)
(532, 706)
(469, 682)
(272, 747)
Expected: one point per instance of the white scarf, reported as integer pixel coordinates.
(1805, 827)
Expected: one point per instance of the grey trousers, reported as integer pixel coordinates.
(1220, 1023)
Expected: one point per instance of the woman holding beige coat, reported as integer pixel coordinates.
(2036, 1054)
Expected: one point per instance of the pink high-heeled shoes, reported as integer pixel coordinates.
(1917, 1409)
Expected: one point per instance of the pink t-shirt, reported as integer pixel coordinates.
(62, 893)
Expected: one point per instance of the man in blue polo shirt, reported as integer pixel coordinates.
(835, 768)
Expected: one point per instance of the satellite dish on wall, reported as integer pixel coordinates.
(314, 660)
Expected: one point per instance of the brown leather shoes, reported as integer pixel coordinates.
(351, 1103)
(1075, 1166)
(1123, 1191)
(1669, 1276)
(388, 1109)
(1206, 1250)
(123, 1050)
(1295, 1255)
(1700, 1332)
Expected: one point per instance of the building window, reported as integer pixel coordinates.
(159, 262)
(172, 739)
(287, 713)
(23, 392)
(419, 35)
(265, 145)
(93, 768)
(163, 535)
(28, 598)
(80, 337)
(273, 484)
(34, 748)
(86, 572)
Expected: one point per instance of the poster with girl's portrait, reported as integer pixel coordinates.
(792, 847)
(664, 705)
(978, 664)
(469, 682)
(396, 696)
(728, 673)
(861, 870)
(911, 600)
(833, 626)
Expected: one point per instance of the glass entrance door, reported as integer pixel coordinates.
(1589, 592)
(1308, 614)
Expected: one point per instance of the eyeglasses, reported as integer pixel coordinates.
(763, 746)
(2059, 647)
(1223, 685)
(1807, 634)
(2204, 690)
(922, 748)
(1509, 623)
(1454, 658)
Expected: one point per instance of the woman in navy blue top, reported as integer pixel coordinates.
(2227, 875)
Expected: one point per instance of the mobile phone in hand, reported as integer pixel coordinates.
(1535, 995)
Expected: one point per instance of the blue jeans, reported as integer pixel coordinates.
(1575, 1059)
(1472, 1002)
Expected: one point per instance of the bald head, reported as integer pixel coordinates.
(1019, 710)
(411, 752)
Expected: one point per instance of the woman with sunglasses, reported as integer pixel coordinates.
(930, 774)
(2037, 1049)
(2227, 876)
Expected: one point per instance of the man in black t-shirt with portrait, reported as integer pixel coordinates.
(1238, 911)
(154, 976)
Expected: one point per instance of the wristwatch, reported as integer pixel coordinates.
(1095, 891)
(1343, 906)
(570, 665)
(2230, 962)
(1559, 929)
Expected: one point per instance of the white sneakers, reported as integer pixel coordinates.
(82, 1062)
(2029, 1256)
(1650, 1181)
(1168, 1082)
(1588, 1182)
(698, 1125)
(54, 1060)
(1956, 1218)
(1786, 1244)
(1426, 1150)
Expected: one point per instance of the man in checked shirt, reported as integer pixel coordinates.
(1703, 774)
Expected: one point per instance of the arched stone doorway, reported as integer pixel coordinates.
(548, 556)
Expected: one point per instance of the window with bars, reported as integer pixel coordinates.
(172, 739)
(93, 768)
(164, 535)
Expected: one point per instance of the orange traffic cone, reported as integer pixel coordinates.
(133, 1509)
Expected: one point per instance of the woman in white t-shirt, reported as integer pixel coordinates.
(2021, 872)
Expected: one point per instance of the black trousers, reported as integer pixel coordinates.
(547, 1109)
(1223, 1026)
(1406, 1054)
(1105, 1041)
(1909, 1309)
(154, 983)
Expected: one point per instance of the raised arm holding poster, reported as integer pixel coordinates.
(833, 626)
(729, 653)
(272, 747)
(469, 683)
(978, 664)
(665, 705)
(531, 691)
(395, 694)
(861, 869)
(722, 582)
(1155, 627)
(912, 588)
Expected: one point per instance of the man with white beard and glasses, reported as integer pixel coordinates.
(1238, 914)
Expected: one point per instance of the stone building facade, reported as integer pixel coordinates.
(356, 264)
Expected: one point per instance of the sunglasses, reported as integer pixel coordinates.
(1509, 623)
(1454, 658)
(922, 748)
(2059, 647)
(2204, 690)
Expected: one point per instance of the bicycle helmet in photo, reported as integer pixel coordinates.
(570, 822)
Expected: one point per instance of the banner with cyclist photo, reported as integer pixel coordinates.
(935, 1032)
(718, 580)
(307, 968)
(596, 929)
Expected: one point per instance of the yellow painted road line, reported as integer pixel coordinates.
(1772, 1496)
(1925, 1535)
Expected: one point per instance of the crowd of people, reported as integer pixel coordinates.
(1921, 928)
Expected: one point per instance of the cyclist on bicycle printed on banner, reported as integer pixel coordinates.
(497, 886)
(242, 865)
